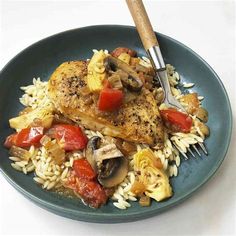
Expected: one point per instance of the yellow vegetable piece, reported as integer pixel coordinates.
(96, 71)
(138, 188)
(145, 201)
(159, 187)
(148, 155)
(154, 179)
(125, 57)
(134, 61)
(45, 114)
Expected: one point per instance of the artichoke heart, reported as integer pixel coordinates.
(96, 71)
(44, 113)
(155, 179)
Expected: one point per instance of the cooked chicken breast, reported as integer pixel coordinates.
(137, 121)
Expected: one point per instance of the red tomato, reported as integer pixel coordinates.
(71, 181)
(70, 137)
(110, 99)
(25, 138)
(10, 140)
(91, 192)
(117, 51)
(106, 84)
(83, 169)
(29, 136)
(177, 121)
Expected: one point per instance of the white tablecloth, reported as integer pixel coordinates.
(208, 27)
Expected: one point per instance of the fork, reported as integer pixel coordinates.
(152, 48)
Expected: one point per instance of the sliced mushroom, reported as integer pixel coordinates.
(113, 171)
(108, 162)
(108, 151)
(132, 81)
(115, 81)
(92, 145)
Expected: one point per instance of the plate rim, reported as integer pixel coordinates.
(106, 217)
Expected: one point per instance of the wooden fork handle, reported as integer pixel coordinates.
(142, 23)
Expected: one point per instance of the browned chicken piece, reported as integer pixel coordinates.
(191, 101)
(136, 121)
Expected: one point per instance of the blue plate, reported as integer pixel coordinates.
(41, 59)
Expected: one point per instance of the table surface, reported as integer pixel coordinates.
(208, 27)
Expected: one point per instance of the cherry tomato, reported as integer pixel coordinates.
(177, 121)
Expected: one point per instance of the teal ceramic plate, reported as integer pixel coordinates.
(41, 59)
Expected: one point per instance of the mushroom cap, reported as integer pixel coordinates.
(132, 81)
(92, 145)
(108, 162)
(113, 172)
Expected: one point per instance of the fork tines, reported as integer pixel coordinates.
(201, 145)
